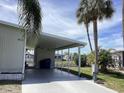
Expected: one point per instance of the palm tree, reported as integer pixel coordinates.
(83, 18)
(97, 10)
(30, 16)
(101, 9)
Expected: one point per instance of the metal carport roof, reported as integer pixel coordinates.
(50, 41)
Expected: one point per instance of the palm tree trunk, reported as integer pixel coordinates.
(96, 49)
(95, 41)
(123, 20)
(88, 36)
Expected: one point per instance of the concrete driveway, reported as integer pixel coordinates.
(56, 81)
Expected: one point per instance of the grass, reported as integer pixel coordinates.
(64, 63)
(113, 80)
(10, 87)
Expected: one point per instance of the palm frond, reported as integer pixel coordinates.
(109, 9)
(81, 14)
(30, 15)
(99, 9)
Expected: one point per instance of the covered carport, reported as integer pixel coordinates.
(47, 45)
(53, 80)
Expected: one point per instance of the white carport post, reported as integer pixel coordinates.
(68, 58)
(61, 59)
(79, 60)
(57, 59)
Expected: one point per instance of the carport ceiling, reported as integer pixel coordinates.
(49, 41)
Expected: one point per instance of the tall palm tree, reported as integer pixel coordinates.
(83, 18)
(30, 15)
(101, 9)
(97, 10)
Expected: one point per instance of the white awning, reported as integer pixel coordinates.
(50, 41)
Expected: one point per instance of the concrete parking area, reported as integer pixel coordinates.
(56, 81)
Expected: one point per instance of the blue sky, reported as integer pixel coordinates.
(59, 18)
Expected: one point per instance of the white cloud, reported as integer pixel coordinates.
(9, 7)
(115, 41)
(8, 11)
(57, 23)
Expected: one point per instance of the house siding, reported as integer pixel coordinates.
(118, 59)
(12, 46)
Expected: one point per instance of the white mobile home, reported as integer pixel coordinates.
(13, 43)
(118, 58)
(12, 51)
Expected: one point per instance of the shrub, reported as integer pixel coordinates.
(83, 60)
(104, 59)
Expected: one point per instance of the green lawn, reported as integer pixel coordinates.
(111, 80)
(64, 63)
